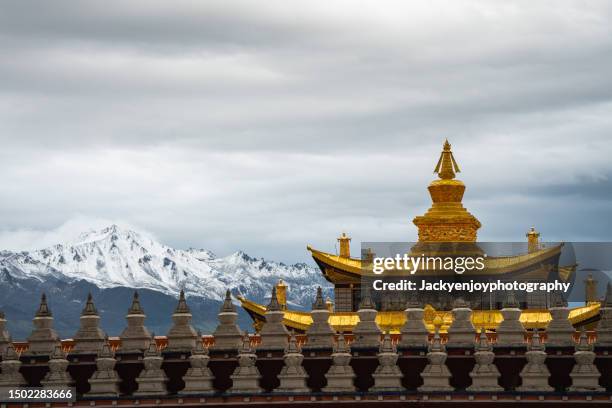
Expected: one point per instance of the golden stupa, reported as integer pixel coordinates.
(446, 221)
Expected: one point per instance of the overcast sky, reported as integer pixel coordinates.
(269, 125)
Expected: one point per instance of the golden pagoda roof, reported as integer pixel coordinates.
(353, 267)
(394, 320)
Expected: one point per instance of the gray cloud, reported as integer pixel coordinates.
(266, 126)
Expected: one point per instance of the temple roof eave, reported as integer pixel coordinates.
(394, 320)
(494, 265)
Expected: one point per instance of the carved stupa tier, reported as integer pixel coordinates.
(447, 220)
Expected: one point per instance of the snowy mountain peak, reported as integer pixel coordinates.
(202, 254)
(240, 256)
(117, 256)
(113, 232)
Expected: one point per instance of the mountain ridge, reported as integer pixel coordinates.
(115, 259)
(116, 256)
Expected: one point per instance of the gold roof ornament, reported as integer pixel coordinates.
(447, 166)
(281, 294)
(447, 220)
(533, 240)
(345, 245)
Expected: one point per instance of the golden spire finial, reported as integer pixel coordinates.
(533, 240)
(447, 166)
(281, 294)
(345, 245)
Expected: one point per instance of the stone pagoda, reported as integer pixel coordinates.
(89, 338)
(135, 337)
(228, 335)
(461, 332)
(43, 338)
(340, 375)
(293, 376)
(274, 334)
(413, 332)
(182, 336)
(510, 332)
(199, 378)
(58, 376)
(388, 376)
(320, 334)
(152, 379)
(245, 378)
(436, 375)
(485, 375)
(105, 381)
(560, 332)
(585, 375)
(535, 374)
(10, 365)
(366, 333)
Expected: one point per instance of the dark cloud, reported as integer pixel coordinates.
(266, 126)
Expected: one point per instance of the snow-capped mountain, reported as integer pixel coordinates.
(118, 257)
(113, 261)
